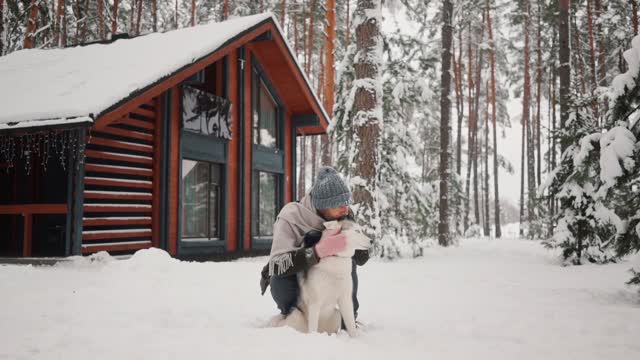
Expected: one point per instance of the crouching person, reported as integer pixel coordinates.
(300, 240)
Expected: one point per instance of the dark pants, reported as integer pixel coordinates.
(285, 291)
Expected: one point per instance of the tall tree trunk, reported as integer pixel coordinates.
(522, 172)
(366, 106)
(29, 39)
(139, 18)
(329, 75)
(538, 97)
(132, 17)
(592, 58)
(470, 139)
(225, 10)
(492, 59)
(155, 15)
(101, 20)
(531, 175)
(602, 63)
(634, 14)
(476, 110)
(312, 11)
(114, 22)
(295, 30)
(348, 25)
(564, 69)
(2, 27)
(487, 227)
(459, 109)
(283, 12)
(445, 108)
(176, 13)
(578, 60)
(193, 12)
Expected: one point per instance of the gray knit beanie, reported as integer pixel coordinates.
(329, 190)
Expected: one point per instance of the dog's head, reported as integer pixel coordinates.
(355, 239)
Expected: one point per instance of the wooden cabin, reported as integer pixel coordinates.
(182, 140)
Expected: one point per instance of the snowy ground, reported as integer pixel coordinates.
(485, 299)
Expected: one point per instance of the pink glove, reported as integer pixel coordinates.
(331, 243)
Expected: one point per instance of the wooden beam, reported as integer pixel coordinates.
(131, 122)
(121, 145)
(233, 167)
(96, 208)
(248, 146)
(157, 156)
(18, 209)
(27, 233)
(117, 183)
(126, 133)
(144, 112)
(115, 221)
(134, 233)
(114, 195)
(105, 155)
(93, 248)
(118, 170)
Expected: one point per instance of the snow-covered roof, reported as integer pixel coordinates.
(57, 86)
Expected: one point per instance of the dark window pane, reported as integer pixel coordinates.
(267, 203)
(200, 200)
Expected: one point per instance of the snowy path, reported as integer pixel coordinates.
(483, 300)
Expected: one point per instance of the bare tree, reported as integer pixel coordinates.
(564, 68)
(329, 75)
(445, 108)
(114, 22)
(531, 175)
(492, 59)
(2, 28)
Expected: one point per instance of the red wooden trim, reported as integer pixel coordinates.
(109, 221)
(307, 90)
(287, 159)
(127, 133)
(144, 112)
(117, 183)
(118, 170)
(97, 154)
(177, 78)
(27, 240)
(131, 122)
(120, 144)
(219, 84)
(152, 104)
(232, 166)
(33, 209)
(93, 208)
(89, 194)
(174, 182)
(248, 146)
(89, 249)
(117, 235)
(157, 151)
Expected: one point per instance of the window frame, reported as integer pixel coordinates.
(219, 200)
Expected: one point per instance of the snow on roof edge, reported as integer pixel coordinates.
(45, 123)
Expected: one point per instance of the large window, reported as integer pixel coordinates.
(266, 203)
(200, 200)
(266, 131)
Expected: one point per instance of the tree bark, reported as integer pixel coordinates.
(155, 15)
(132, 17)
(312, 11)
(531, 175)
(176, 14)
(139, 19)
(445, 107)
(101, 20)
(492, 59)
(367, 106)
(602, 63)
(470, 134)
(2, 28)
(592, 58)
(538, 157)
(29, 40)
(283, 12)
(634, 14)
(193, 12)
(564, 69)
(485, 190)
(476, 110)
(114, 22)
(348, 24)
(225, 12)
(329, 75)
(295, 30)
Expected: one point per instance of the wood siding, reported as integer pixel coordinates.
(121, 183)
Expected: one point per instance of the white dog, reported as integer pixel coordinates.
(326, 285)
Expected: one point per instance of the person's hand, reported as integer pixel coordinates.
(331, 243)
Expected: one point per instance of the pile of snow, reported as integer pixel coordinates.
(616, 145)
(486, 299)
(627, 80)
